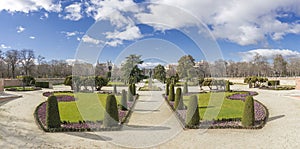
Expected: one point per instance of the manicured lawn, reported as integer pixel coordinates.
(89, 106)
(228, 108)
(116, 83)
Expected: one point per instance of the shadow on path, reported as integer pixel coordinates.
(275, 117)
(89, 136)
(144, 128)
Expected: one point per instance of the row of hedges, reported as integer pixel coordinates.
(111, 120)
(192, 117)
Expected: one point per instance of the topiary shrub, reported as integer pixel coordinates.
(111, 116)
(185, 88)
(68, 81)
(167, 89)
(124, 100)
(129, 94)
(115, 89)
(52, 115)
(28, 80)
(248, 114)
(133, 88)
(178, 100)
(227, 88)
(171, 96)
(192, 115)
(273, 82)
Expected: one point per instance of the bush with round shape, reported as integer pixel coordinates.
(178, 105)
(192, 115)
(111, 116)
(28, 80)
(248, 114)
(129, 94)
(185, 88)
(124, 100)
(167, 89)
(52, 115)
(171, 96)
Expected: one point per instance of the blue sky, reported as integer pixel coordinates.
(57, 29)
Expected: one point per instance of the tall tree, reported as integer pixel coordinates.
(27, 60)
(12, 59)
(280, 65)
(185, 68)
(160, 73)
(129, 66)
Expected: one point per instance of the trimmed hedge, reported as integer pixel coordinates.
(52, 116)
(42, 84)
(129, 94)
(167, 89)
(248, 118)
(111, 117)
(124, 100)
(171, 95)
(227, 88)
(115, 91)
(185, 88)
(178, 105)
(273, 82)
(192, 116)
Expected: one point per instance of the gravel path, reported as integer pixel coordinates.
(151, 124)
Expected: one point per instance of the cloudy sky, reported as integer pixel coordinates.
(62, 29)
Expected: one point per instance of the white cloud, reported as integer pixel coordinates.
(150, 64)
(268, 53)
(73, 12)
(20, 29)
(3, 46)
(88, 39)
(44, 16)
(71, 34)
(241, 22)
(32, 37)
(27, 6)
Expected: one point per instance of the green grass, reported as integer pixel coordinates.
(116, 83)
(27, 88)
(89, 106)
(227, 108)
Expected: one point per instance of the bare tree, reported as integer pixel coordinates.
(27, 60)
(12, 59)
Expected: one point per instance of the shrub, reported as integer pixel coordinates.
(28, 80)
(227, 89)
(68, 81)
(42, 84)
(100, 82)
(185, 88)
(273, 82)
(133, 89)
(129, 94)
(124, 100)
(248, 114)
(52, 116)
(192, 115)
(111, 117)
(178, 100)
(171, 96)
(115, 89)
(167, 89)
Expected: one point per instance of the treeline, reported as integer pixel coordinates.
(15, 63)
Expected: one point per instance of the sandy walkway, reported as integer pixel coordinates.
(18, 129)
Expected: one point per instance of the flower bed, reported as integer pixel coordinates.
(261, 115)
(40, 117)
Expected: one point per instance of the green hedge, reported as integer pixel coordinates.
(192, 115)
(171, 96)
(248, 114)
(42, 84)
(52, 116)
(273, 82)
(111, 117)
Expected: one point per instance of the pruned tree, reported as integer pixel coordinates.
(12, 59)
(27, 57)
